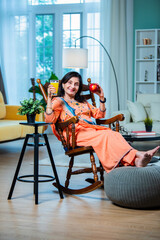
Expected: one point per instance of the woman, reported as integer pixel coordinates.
(110, 147)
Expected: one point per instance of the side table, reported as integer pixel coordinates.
(36, 175)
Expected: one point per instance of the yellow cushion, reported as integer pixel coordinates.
(9, 130)
(2, 107)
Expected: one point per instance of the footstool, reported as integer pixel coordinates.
(134, 187)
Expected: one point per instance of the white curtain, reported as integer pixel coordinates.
(14, 49)
(116, 23)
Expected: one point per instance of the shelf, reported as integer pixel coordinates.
(145, 60)
(145, 82)
(145, 46)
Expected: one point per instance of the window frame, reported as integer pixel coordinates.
(57, 10)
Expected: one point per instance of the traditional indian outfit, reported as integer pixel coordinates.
(110, 147)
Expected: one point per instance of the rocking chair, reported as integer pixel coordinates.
(72, 150)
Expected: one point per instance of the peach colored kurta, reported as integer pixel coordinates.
(110, 146)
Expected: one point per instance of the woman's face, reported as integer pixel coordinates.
(71, 87)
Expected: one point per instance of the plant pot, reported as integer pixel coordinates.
(148, 128)
(31, 118)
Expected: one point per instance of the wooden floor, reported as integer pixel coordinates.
(85, 217)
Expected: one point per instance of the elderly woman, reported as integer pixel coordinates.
(110, 147)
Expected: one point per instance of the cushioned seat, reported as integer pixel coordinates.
(134, 187)
(10, 129)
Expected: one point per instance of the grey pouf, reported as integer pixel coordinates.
(134, 187)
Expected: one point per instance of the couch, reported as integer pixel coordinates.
(145, 105)
(10, 129)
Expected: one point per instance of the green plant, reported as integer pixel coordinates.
(29, 106)
(38, 91)
(148, 121)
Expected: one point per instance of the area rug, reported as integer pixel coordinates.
(63, 161)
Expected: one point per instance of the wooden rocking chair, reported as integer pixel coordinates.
(72, 150)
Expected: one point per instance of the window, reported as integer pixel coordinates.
(44, 46)
(71, 32)
(57, 26)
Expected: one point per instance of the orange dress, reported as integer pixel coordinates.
(110, 147)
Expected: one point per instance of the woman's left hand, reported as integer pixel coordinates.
(100, 93)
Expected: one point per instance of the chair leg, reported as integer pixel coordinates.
(94, 168)
(69, 172)
(101, 172)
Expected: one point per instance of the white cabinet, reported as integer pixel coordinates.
(147, 61)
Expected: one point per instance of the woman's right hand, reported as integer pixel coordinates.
(51, 90)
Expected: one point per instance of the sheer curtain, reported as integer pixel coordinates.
(14, 49)
(117, 35)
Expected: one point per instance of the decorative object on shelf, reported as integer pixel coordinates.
(147, 41)
(148, 124)
(30, 108)
(146, 76)
(37, 90)
(78, 58)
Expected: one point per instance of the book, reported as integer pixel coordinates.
(143, 133)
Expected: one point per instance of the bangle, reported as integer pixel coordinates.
(103, 110)
(48, 113)
(103, 100)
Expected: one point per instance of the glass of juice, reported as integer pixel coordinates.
(55, 83)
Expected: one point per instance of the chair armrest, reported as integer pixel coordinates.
(127, 116)
(118, 117)
(111, 121)
(63, 125)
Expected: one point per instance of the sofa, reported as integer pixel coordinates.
(10, 129)
(136, 112)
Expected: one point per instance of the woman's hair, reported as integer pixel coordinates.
(65, 79)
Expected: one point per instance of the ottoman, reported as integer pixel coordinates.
(134, 187)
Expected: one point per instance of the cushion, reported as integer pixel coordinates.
(9, 130)
(134, 187)
(137, 111)
(155, 111)
(2, 107)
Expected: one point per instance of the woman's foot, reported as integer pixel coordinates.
(143, 158)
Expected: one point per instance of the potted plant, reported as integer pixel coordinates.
(30, 108)
(148, 124)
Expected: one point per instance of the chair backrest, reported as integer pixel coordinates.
(85, 88)
(70, 124)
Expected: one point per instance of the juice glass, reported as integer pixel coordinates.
(55, 83)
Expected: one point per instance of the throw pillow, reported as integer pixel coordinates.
(155, 111)
(137, 111)
(2, 107)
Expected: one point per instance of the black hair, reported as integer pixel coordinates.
(65, 79)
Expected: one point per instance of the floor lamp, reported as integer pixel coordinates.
(78, 58)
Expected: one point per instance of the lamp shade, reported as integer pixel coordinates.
(75, 58)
